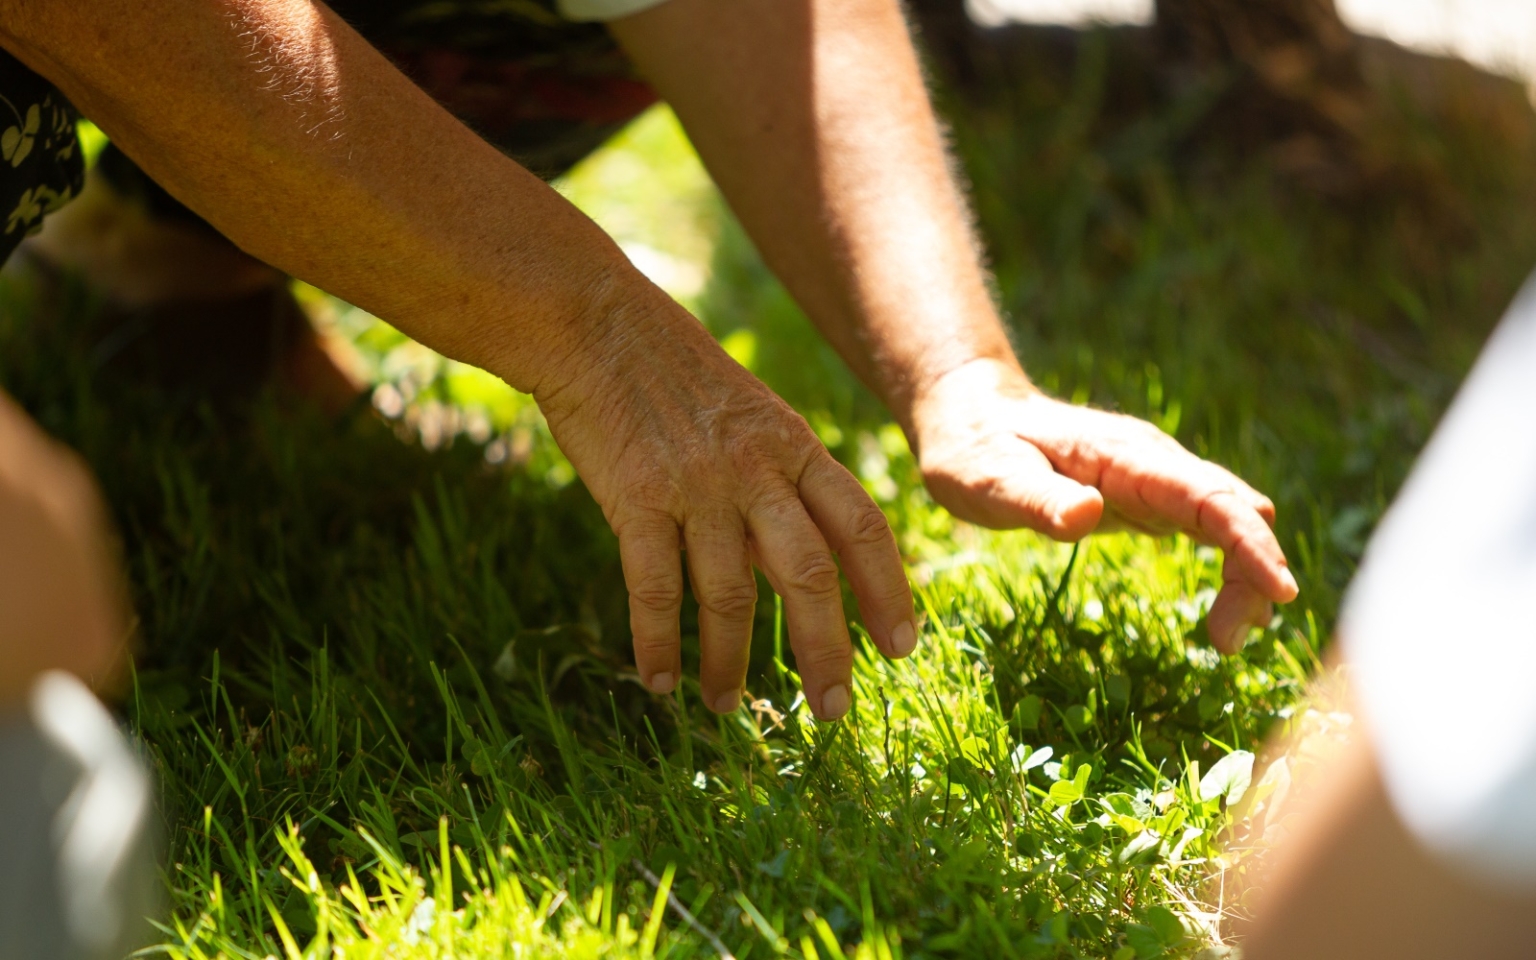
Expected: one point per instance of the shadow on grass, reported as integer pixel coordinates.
(370, 668)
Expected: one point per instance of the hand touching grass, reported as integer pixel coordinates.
(996, 451)
(687, 451)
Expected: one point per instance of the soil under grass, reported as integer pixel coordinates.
(388, 694)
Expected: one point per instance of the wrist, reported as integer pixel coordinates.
(589, 319)
(959, 392)
(922, 351)
(618, 335)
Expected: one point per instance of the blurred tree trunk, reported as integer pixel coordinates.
(1296, 84)
(1290, 72)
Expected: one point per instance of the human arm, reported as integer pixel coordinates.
(1351, 880)
(1419, 838)
(812, 117)
(304, 146)
(61, 600)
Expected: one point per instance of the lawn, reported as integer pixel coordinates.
(384, 678)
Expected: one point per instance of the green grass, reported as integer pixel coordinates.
(387, 690)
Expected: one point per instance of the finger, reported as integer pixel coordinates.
(1200, 498)
(1019, 488)
(858, 533)
(1237, 609)
(648, 551)
(727, 594)
(1249, 544)
(1261, 504)
(798, 563)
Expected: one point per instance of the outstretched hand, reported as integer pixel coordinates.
(997, 452)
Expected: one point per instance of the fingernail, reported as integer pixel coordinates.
(663, 682)
(904, 639)
(834, 702)
(1287, 580)
(727, 701)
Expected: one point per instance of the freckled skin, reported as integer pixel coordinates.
(813, 119)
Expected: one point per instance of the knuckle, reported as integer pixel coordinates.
(731, 601)
(644, 524)
(866, 526)
(834, 659)
(656, 594)
(774, 501)
(1221, 509)
(1241, 551)
(746, 455)
(897, 593)
(814, 575)
(718, 523)
(1207, 504)
(653, 647)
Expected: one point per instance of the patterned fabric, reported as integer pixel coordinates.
(40, 163)
(545, 90)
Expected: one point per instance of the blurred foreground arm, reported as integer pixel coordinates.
(813, 118)
(1421, 840)
(299, 141)
(1353, 883)
(61, 598)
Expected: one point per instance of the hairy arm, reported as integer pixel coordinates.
(814, 121)
(308, 149)
(813, 118)
(279, 124)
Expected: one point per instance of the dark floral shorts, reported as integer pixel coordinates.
(543, 89)
(40, 164)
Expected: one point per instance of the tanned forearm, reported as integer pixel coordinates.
(306, 147)
(280, 125)
(812, 117)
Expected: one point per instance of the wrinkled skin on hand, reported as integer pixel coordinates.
(691, 456)
(686, 450)
(61, 598)
(997, 452)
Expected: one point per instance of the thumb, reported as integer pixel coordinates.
(1058, 506)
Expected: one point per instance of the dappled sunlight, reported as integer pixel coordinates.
(387, 680)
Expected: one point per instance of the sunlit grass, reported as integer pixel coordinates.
(387, 689)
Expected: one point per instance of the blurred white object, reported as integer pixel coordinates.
(76, 861)
(1438, 624)
(1499, 35)
(1068, 13)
